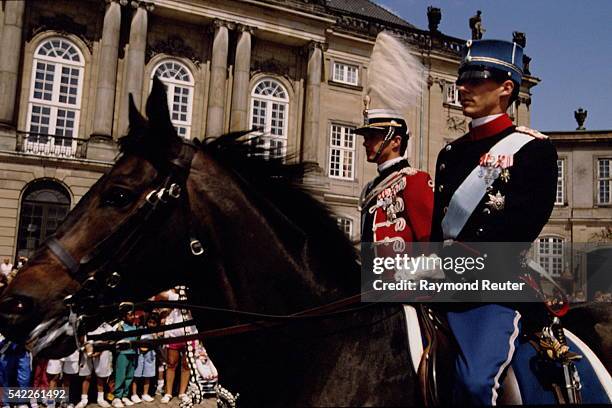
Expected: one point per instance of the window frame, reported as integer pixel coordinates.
(342, 150)
(549, 265)
(561, 178)
(454, 101)
(350, 222)
(33, 140)
(345, 73)
(171, 84)
(266, 137)
(39, 236)
(598, 179)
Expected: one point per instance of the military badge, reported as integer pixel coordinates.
(492, 166)
(496, 202)
(505, 175)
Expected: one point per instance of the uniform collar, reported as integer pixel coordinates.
(485, 119)
(487, 126)
(382, 167)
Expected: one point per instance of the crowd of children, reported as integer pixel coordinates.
(122, 378)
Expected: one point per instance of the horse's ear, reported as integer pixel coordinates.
(157, 109)
(136, 119)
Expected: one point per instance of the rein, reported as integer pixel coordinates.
(330, 310)
(123, 239)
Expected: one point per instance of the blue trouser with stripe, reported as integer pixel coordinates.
(486, 335)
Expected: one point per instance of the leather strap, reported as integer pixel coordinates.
(64, 256)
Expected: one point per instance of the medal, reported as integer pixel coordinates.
(505, 175)
(496, 202)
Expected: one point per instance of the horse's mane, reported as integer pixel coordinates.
(277, 180)
(281, 182)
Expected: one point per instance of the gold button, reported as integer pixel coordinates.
(445, 210)
(448, 147)
(442, 166)
(441, 187)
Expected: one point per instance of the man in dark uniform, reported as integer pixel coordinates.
(494, 184)
(396, 206)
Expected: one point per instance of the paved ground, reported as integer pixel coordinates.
(174, 403)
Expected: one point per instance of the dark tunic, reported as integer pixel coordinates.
(528, 193)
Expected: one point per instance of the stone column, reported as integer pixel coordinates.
(107, 72)
(10, 49)
(312, 102)
(242, 69)
(218, 73)
(134, 72)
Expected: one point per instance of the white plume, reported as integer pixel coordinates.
(395, 77)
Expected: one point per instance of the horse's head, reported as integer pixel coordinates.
(97, 251)
(144, 226)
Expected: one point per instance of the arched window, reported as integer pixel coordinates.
(179, 86)
(269, 109)
(54, 103)
(43, 207)
(550, 254)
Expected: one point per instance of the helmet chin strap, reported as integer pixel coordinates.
(384, 143)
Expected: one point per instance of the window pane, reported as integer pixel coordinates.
(338, 72)
(64, 127)
(43, 81)
(345, 225)
(341, 152)
(550, 255)
(604, 191)
(345, 73)
(560, 199)
(259, 115)
(39, 120)
(604, 168)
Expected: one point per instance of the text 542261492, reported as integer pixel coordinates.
(16, 395)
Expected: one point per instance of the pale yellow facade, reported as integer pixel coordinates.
(582, 217)
(228, 48)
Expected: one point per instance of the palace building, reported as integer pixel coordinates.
(575, 246)
(294, 70)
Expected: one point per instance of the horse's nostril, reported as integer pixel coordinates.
(16, 305)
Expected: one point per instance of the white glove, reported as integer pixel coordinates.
(428, 268)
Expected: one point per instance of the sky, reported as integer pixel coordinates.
(569, 42)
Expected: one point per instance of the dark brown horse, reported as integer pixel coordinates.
(239, 231)
(269, 247)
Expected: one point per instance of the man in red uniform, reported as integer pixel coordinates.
(396, 207)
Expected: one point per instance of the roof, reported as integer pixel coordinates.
(367, 9)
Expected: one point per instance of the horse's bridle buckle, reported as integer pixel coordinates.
(174, 191)
(153, 197)
(196, 247)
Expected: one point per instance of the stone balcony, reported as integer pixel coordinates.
(51, 146)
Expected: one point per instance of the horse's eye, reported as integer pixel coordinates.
(117, 197)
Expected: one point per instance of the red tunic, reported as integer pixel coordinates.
(397, 206)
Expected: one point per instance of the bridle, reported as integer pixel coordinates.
(123, 240)
(89, 302)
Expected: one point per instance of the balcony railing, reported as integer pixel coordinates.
(51, 145)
